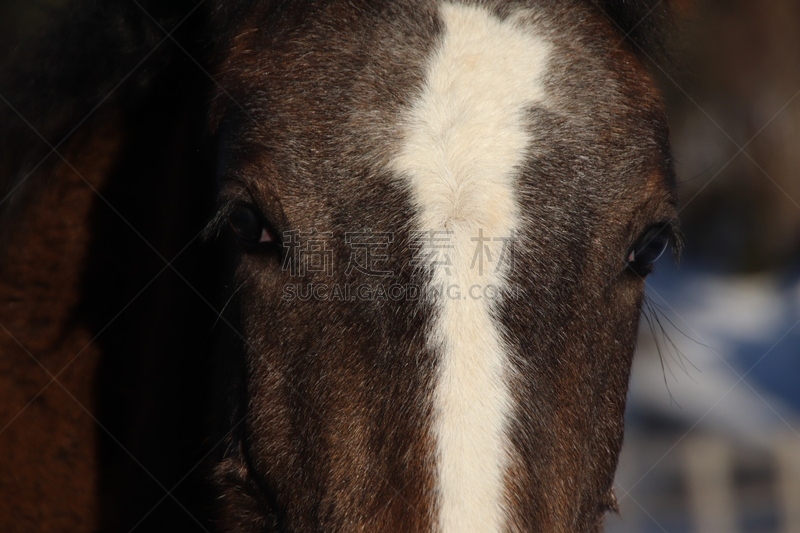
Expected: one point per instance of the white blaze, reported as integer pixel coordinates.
(464, 141)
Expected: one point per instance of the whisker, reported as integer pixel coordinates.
(228, 301)
(700, 174)
(662, 310)
(646, 314)
(676, 354)
(653, 314)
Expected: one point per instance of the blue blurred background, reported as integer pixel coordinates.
(713, 430)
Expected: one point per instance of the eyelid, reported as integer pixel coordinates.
(234, 191)
(670, 227)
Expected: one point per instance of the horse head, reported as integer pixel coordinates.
(440, 217)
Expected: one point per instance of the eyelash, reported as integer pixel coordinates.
(221, 220)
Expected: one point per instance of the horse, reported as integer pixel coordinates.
(379, 264)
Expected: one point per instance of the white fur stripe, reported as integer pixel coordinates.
(464, 141)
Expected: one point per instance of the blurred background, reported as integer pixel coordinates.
(713, 431)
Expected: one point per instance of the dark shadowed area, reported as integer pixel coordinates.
(105, 413)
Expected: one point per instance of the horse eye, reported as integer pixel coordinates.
(248, 226)
(650, 246)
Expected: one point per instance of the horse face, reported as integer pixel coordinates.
(441, 218)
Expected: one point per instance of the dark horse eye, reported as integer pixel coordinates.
(248, 225)
(650, 246)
